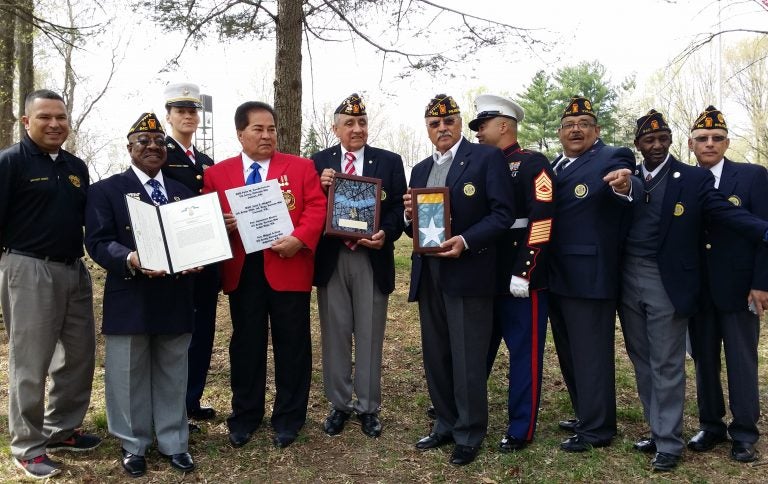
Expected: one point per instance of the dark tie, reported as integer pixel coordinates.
(562, 165)
(254, 177)
(157, 194)
(648, 177)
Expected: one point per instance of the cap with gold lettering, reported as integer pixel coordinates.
(650, 123)
(182, 95)
(577, 106)
(147, 123)
(353, 105)
(440, 106)
(711, 118)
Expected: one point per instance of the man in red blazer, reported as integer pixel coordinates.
(269, 289)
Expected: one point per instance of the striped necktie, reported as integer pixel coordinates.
(349, 169)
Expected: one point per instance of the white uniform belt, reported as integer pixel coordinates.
(520, 223)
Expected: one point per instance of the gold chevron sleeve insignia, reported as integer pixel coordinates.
(540, 231)
(543, 187)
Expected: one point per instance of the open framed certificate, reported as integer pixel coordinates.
(261, 213)
(431, 218)
(354, 205)
(181, 235)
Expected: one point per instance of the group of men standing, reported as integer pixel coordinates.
(674, 248)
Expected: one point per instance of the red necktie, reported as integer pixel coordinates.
(191, 155)
(349, 169)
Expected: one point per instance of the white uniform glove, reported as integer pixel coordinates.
(518, 286)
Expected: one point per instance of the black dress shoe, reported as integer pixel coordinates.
(193, 427)
(511, 444)
(182, 461)
(576, 443)
(664, 462)
(283, 440)
(743, 451)
(334, 422)
(239, 439)
(432, 441)
(463, 454)
(202, 413)
(646, 445)
(370, 424)
(705, 440)
(431, 412)
(569, 425)
(134, 465)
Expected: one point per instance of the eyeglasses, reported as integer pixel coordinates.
(158, 140)
(715, 139)
(444, 121)
(583, 125)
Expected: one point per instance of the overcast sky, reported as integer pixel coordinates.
(627, 37)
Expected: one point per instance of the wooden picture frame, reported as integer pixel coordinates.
(429, 205)
(354, 207)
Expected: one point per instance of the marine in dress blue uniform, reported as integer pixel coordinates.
(455, 288)
(148, 315)
(592, 181)
(733, 297)
(661, 278)
(520, 304)
(187, 165)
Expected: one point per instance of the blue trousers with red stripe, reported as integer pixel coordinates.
(522, 323)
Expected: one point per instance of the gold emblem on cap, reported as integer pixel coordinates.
(654, 124)
(679, 209)
(383, 195)
(469, 189)
(735, 200)
(587, 105)
(581, 190)
(290, 199)
(73, 179)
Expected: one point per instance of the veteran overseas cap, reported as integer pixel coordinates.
(441, 105)
(711, 118)
(147, 123)
(353, 105)
(182, 95)
(577, 106)
(490, 106)
(650, 123)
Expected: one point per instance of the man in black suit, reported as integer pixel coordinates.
(354, 278)
(661, 278)
(455, 287)
(592, 181)
(187, 165)
(734, 296)
(148, 314)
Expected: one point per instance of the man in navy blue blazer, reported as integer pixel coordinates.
(455, 288)
(592, 183)
(733, 298)
(148, 314)
(661, 274)
(355, 278)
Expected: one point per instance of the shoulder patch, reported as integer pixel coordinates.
(543, 187)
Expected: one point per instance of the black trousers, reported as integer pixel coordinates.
(738, 332)
(207, 286)
(257, 309)
(584, 333)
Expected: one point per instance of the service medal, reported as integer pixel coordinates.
(290, 199)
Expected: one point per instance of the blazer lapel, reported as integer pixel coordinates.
(728, 177)
(574, 166)
(135, 186)
(370, 167)
(671, 197)
(334, 158)
(459, 163)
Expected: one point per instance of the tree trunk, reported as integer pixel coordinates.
(288, 75)
(7, 119)
(25, 55)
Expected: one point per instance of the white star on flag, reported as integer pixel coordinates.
(431, 233)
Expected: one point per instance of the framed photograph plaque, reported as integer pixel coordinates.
(354, 204)
(431, 218)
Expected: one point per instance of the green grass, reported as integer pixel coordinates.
(353, 457)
